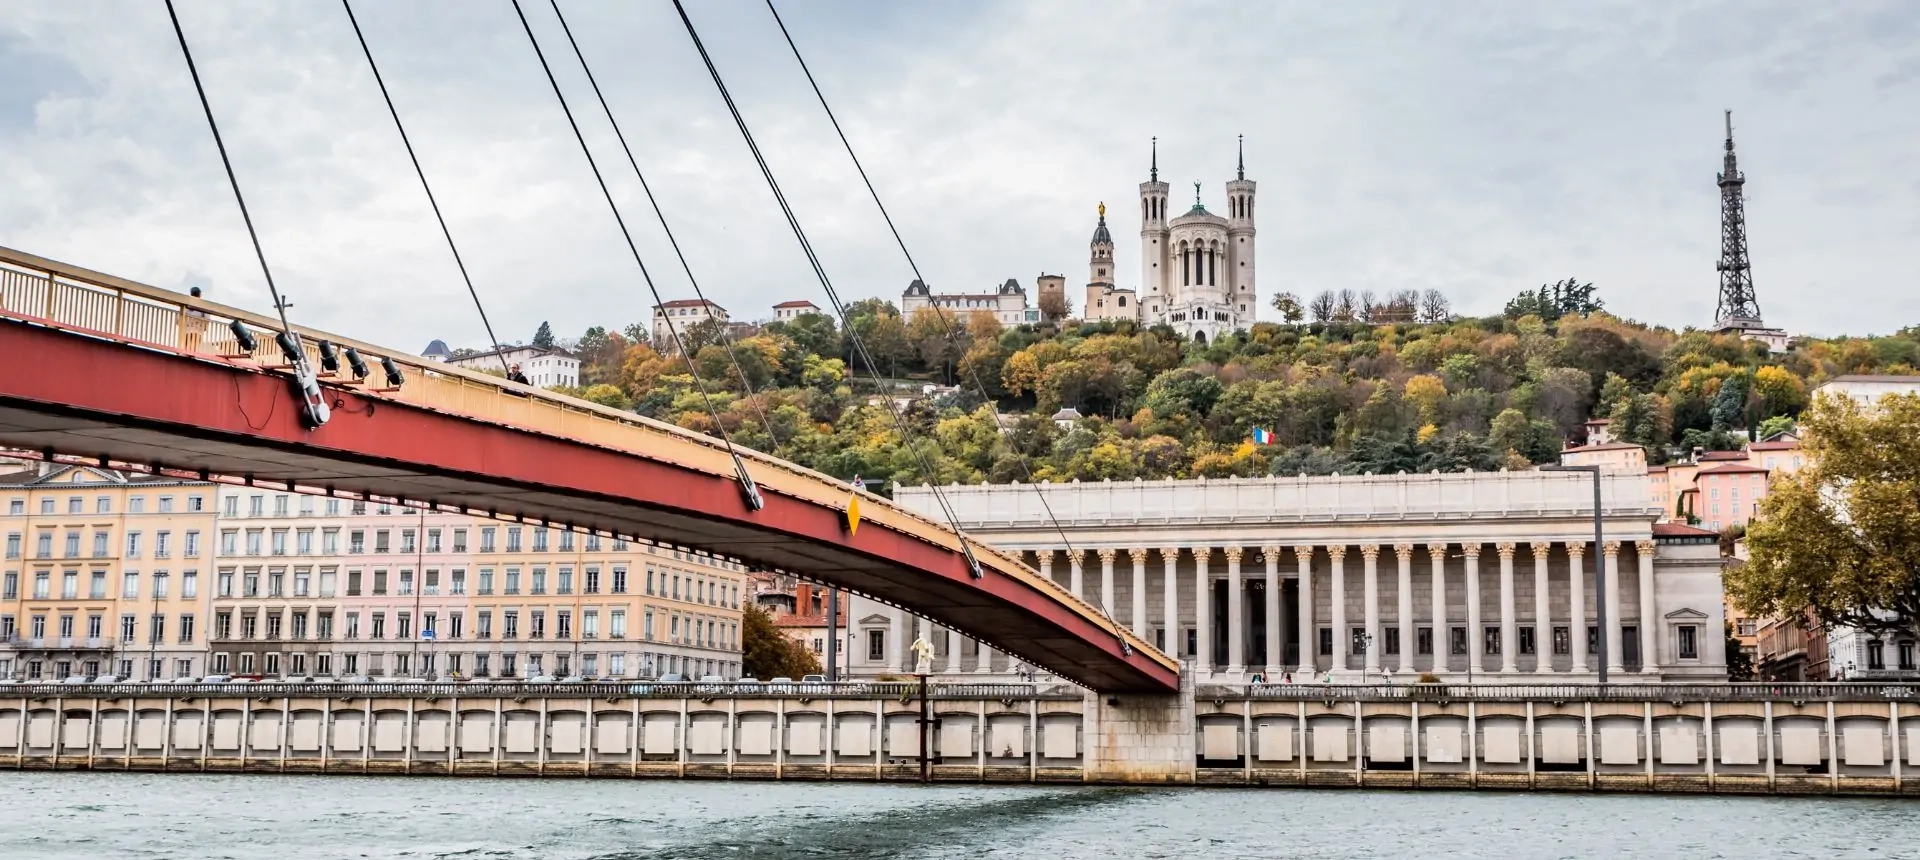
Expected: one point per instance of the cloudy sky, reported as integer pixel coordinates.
(1477, 147)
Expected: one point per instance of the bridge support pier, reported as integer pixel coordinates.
(1141, 738)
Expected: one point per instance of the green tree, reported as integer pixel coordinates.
(1289, 307)
(1739, 662)
(765, 652)
(543, 336)
(1841, 537)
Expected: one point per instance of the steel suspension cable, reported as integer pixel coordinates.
(428, 188)
(833, 296)
(948, 327)
(305, 383)
(278, 305)
(747, 485)
(725, 338)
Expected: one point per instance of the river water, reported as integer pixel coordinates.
(92, 816)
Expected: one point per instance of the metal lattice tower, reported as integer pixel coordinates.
(1739, 308)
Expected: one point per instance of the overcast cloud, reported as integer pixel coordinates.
(1480, 148)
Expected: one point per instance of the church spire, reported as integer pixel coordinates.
(1153, 175)
(1241, 173)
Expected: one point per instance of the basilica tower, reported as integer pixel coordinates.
(1240, 242)
(1153, 241)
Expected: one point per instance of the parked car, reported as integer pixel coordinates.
(74, 679)
(672, 678)
(106, 679)
(543, 679)
(712, 684)
(781, 684)
(357, 679)
(217, 679)
(296, 679)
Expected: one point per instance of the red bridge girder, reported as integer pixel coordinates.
(83, 396)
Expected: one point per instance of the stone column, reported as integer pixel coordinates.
(1475, 665)
(1308, 663)
(983, 662)
(1076, 580)
(1405, 553)
(1649, 638)
(1370, 594)
(1509, 626)
(1337, 605)
(1616, 663)
(1542, 608)
(1271, 555)
(1106, 580)
(1437, 556)
(1577, 605)
(1236, 616)
(1043, 559)
(1139, 557)
(1170, 608)
(897, 640)
(953, 651)
(1202, 611)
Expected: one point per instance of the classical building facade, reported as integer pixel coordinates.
(545, 368)
(1196, 269)
(103, 574)
(679, 315)
(1481, 577)
(309, 585)
(1008, 303)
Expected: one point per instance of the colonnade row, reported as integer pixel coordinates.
(1561, 608)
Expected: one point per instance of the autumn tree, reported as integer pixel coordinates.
(765, 652)
(1054, 306)
(1434, 307)
(1289, 307)
(1841, 537)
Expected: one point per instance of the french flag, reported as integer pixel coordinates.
(1262, 436)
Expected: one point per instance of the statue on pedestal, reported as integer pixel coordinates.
(922, 656)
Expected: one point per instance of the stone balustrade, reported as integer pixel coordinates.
(1738, 738)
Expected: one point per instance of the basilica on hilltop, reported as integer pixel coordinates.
(1196, 268)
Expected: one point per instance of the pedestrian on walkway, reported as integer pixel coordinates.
(514, 375)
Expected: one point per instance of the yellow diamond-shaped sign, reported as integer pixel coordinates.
(853, 514)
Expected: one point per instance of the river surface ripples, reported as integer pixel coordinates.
(94, 816)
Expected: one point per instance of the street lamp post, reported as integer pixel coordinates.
(1599, 570)
(1366, 651)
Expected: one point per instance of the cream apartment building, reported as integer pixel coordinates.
(309, 585)
(104, 574)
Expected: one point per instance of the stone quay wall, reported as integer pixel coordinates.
(1728, 738)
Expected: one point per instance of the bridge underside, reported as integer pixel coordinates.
(93, 398)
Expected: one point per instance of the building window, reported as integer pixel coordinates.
(1527, 643)
(1492, 641)
(1393, 640)
(1562, 640)
(1423, 640)
(1876, 654)
(876, 645)
(1457, 641)
(1689, 641)
(1906, 655)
